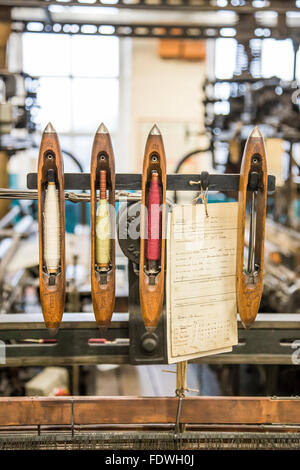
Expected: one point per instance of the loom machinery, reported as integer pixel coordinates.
(273, 104)
(138, 337)
(18, 104)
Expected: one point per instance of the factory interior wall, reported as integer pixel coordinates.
(167, 92)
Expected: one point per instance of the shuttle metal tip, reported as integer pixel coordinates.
(103, 329)
(102, 129)
(52, 331)
(150, 329)
(49, 129)
(155, 130)
(247, 325)
(256, 133)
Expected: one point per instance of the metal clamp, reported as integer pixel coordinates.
(203, 180)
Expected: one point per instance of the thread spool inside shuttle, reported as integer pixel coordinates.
(51, 226)
(153, 242)
(103, 228)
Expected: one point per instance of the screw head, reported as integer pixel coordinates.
(149, 342)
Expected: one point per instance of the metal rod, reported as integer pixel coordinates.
(252, 235)
(69, 196)
(178, 428)
(206, 5)
(9, 217)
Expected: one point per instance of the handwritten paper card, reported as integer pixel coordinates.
(201, 279)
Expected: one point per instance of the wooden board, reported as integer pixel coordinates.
(133, 410)
(15, 411)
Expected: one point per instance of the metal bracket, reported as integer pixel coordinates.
(203, 181)
(144, 348)
(180, 182)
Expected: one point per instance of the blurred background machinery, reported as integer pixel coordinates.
(206, 72)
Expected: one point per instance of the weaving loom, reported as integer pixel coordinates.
(139, 423)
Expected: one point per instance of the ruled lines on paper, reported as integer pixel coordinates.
(201, 280)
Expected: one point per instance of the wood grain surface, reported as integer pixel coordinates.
(151, 296)
(159, 410)
(52, 297)
(103, 295)
(248, 292)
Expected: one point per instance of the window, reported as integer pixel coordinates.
(79, 86)
(225, 57)
(277, 58)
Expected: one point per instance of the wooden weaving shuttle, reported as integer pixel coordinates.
(250, 280)
(103, 228)
(152, 230)
(51, 219)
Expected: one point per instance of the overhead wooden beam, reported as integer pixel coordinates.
(20, 411)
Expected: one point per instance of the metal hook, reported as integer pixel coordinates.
(203, 181)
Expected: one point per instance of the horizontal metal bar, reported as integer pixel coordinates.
(74, 321)
(20, 411)
(36, 360)
(206, 5)
(72, 347)
(131, 30)
(158, 30)
(122, 357)
(32, 195)
(272, 340)
(133, 181)
(248, 359)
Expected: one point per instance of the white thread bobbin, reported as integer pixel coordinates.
(102, 234)
(52, 229)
